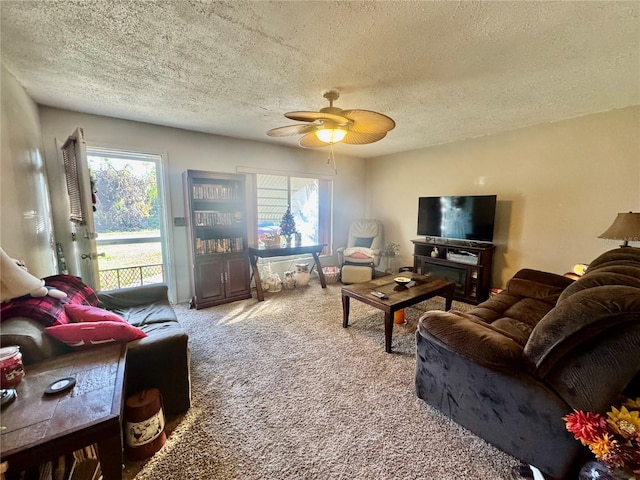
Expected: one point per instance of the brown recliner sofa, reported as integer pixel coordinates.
(512, 367)
(160, 360)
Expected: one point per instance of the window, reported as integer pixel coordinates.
(310, 201)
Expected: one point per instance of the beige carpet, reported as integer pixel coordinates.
(282, 391)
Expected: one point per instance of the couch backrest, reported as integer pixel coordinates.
(594, 309)
(370, 231)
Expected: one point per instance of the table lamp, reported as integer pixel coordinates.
(625, 227)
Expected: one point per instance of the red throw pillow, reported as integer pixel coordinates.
(86, 334)
(87, 313)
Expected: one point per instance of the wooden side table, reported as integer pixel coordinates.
(39, 427)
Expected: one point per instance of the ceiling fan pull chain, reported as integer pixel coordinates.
(332, 157)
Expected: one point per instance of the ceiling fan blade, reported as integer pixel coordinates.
(359, 138)
(366, 121)
(290, 130)
(311, 141)
(313, 116)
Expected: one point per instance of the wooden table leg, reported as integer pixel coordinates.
(110, 456)
(449, 298)
(256, 277)
(345, 310)
(388, 330)
(316, 258)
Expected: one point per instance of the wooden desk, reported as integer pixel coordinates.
(420, 288)
(269, 252)
(42, 427)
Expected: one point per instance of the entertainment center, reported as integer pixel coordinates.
(467, 264)
(458, 231)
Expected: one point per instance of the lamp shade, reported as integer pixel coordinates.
(15, 281)
(625, 227)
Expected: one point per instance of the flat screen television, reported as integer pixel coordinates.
(467, 217)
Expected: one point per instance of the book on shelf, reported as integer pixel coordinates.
(210, 218)
(214, 192)
(218, 245)
(81, 464)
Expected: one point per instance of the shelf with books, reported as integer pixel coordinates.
(217, 231)
(218, 245)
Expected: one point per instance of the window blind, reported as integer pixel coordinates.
(73, 180)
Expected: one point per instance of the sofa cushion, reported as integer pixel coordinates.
(86, 334)
(88, 313)
(472, 338)
(363, 242)
(512, 314)
(578, 319)
(610, 275)
(144, 315)
(616, 257)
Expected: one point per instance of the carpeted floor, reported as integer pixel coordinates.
(282, 391)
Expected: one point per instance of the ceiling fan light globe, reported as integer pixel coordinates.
(331, 135)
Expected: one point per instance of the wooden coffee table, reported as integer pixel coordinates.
(419, 289)
(40, 427)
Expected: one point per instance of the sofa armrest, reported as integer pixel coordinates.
(472, 339)
(539, 285)
(133, 297)
(35, 344)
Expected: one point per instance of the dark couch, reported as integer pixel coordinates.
(160, 360)
(512, 367)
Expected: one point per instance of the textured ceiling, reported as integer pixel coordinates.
(445, 71)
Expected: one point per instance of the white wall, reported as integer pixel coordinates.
(26, 231)
(182, 150)
(559, 186)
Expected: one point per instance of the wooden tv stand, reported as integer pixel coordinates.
(468, 264)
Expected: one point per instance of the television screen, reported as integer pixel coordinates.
(469, 217)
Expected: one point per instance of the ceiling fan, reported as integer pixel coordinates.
(333, 125)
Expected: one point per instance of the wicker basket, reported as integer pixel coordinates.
(331, 274)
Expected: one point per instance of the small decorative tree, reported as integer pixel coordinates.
(288, 225)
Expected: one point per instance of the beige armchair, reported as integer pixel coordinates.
(361, 256)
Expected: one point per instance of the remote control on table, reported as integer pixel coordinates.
(379, 295)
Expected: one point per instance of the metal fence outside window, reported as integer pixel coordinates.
(131, 276)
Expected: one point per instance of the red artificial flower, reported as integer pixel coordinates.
(588, 427)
